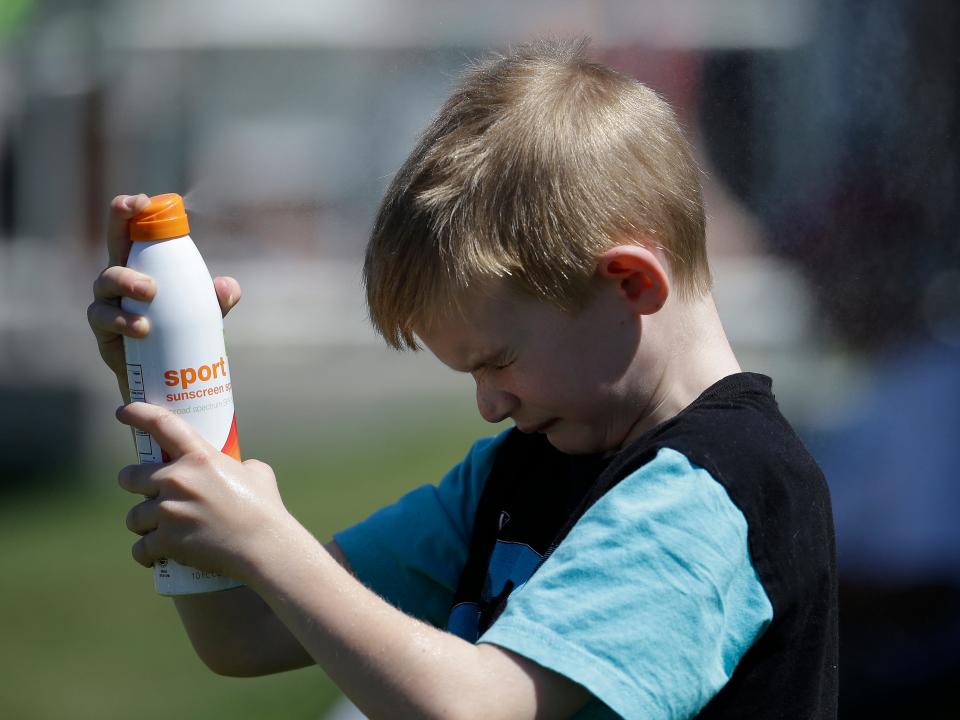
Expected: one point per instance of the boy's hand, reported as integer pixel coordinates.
(203, 509)
(108, 322)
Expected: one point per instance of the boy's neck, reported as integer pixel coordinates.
(695, 354)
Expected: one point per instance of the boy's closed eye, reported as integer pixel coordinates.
(499, 361)
(487, 368)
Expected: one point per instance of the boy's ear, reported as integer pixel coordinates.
(640, 276)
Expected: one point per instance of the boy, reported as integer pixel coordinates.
(651, 540)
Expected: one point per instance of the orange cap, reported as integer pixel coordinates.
(163, 219)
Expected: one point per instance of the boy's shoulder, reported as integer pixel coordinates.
(736, 432)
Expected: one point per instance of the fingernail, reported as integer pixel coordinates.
(118, 411)
(142, 287)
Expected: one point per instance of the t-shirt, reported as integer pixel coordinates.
(670, 579)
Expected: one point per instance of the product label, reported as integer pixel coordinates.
(215, 392)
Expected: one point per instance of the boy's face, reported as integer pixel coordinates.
(577, 378)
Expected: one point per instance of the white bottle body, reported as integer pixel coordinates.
(181, 365)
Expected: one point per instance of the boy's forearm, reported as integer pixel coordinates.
(389, 663)
(350, 633)
(236, 633)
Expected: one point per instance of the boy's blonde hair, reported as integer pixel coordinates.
(539, 162)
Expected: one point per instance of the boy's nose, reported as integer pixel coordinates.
(495, 405)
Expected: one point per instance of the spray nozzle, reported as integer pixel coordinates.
(164, 218)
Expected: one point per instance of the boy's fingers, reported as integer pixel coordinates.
(108, 321)
(142, 517)
(122, 208)
(118, 281)
(138, 479)
(172, 433)
(143, 551)
(228, 293)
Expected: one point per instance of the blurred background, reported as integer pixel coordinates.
(828, 135)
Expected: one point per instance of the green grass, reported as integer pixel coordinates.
(83, 635)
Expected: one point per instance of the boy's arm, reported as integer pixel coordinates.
(210, 511)
(237, 634)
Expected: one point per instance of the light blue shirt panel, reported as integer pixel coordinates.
(650, 601)
(413, 551)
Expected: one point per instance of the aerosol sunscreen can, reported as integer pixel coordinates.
(182, 363)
